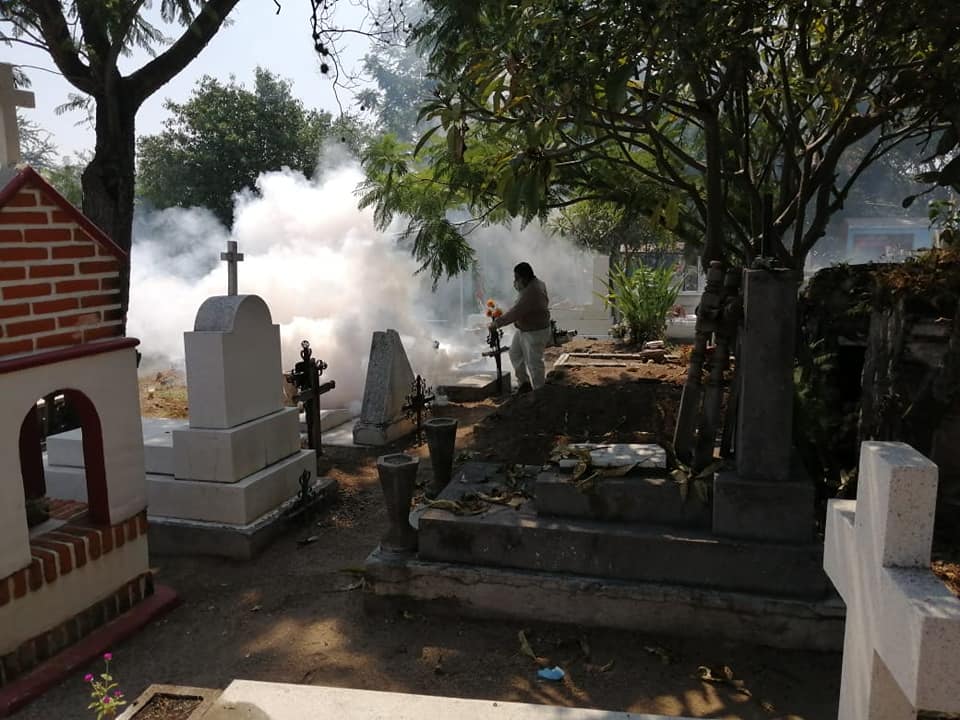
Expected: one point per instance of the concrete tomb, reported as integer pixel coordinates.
(389, 382)
(901, 648)
(220, 483)
(625, 542)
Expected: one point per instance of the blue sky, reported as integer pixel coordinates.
(258, 36)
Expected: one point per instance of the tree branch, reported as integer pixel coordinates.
(59, 43)
(155, 74)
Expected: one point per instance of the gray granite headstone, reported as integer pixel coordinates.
(389, 381)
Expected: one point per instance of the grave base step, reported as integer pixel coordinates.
(396, 583)
(177, 536)
(518, 538)
(648, 498)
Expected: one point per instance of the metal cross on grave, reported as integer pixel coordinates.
(10, 99)
(496, 351)
(232, 257)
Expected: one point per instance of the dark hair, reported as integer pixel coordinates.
(523, 271)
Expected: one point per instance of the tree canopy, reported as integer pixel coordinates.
(693, 113)
(220, 140)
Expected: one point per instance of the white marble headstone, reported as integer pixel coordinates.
(234, 371)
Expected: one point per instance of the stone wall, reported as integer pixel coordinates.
(880, 360)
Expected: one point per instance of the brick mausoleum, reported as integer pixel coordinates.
(69, 567)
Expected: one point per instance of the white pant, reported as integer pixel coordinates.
(526, 354)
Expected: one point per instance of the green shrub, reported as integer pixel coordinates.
(642, 298)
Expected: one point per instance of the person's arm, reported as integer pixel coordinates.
(521, 307)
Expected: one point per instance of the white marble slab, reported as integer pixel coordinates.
(620, 455)
(274, 701)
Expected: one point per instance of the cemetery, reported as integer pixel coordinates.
(283, 457)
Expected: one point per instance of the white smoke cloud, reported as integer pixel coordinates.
(329, 276)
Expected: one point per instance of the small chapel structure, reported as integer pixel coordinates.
(71, 566)
(66, 567)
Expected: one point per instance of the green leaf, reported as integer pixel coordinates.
(423, 139)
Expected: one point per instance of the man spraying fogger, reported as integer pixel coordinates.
(531, 316)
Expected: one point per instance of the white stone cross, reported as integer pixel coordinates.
(901, 648)
(232, 257)
(10, 99)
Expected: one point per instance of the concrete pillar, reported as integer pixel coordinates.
(765, 364)
(768, 497)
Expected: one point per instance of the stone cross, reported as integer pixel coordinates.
(901, 647)
(232, 257)
(10, 99)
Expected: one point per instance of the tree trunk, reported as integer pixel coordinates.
(109, 180)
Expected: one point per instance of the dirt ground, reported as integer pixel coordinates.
(294, 614)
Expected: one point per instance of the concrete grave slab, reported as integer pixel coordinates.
(329, 419)
(643, 456)
(274, 701)
(176, 536)
(582, 359)
(237, 503)
(66, 449)
(234, 373)
(341, 436)
(395, 583)
(226, 456)
(476, 386)
(656, 500)
(389, 381)
(518, 538)
(66, 483)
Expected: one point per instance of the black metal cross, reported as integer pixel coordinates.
(418, 402)
(496, 352)
(305, 377)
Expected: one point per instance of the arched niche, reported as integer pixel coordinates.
(31, 455)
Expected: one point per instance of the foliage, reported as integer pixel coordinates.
(393, 186)
(86, 41)
(403, 85)
(930, 279)
(224, 136)
(642, 298)
(66, 177)
(104, 691)
(37, 148)
(713, 105)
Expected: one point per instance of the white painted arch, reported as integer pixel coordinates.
(109, 380)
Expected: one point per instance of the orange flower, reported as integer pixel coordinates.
(497, 313)
(491, 304)
(489, 313)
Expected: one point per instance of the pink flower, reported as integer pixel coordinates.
(117, 694)
(88, 678)
(106, 699)
(108, 656)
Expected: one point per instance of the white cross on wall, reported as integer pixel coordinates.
(901, 646)
(10, 99)
(232, 257)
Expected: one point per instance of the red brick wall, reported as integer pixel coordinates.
(58, 286)
(67, 547)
